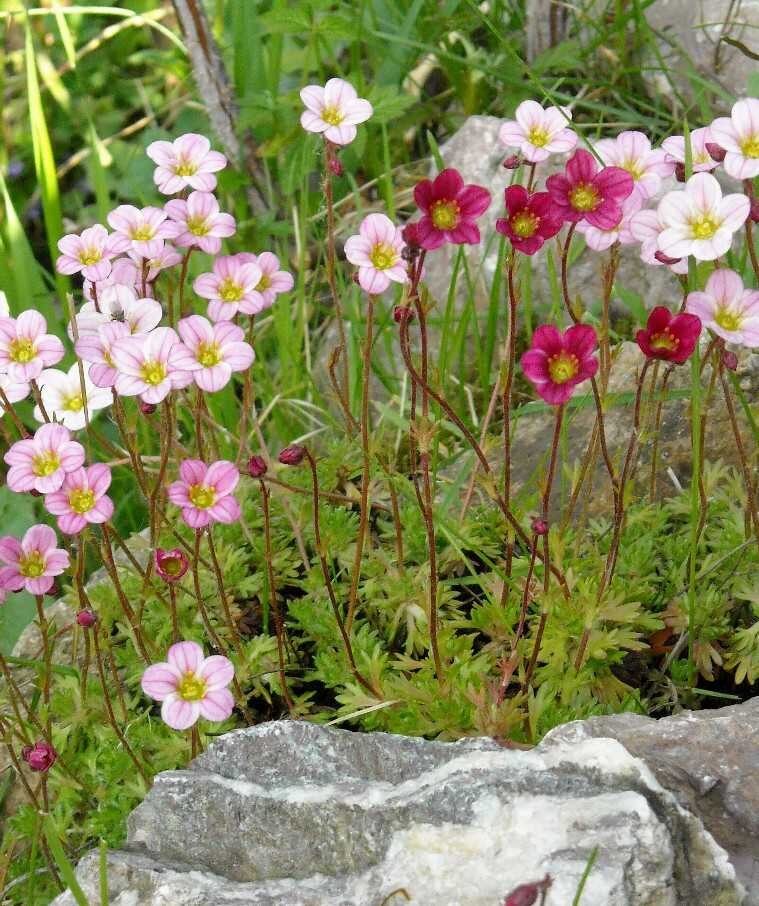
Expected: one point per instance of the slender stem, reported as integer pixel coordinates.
(656, 429)
(47, 655)
(232, 626)
(37, 394)
(110, 565)
(175, 634)
(7, 406)
(183, 312)
(507, 388)
(247, 395)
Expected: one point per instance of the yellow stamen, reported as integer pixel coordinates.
(584, 197)
(538, 137)
(524, 224)
(332, 115)
(704, 227)
(201, 496)
(143, 233)
(230, 291)
(192, 688)
(383, 256)
(45, 464)
(21, 351)
(445, 214)
(750, 146)
(563, 367)
(665, 340)
(153, 373)
(208, 354)
(90, 256)
(73, 404)
(198, 226)
(728, 320)
(184, 167)
(81, 501)
(31, 565)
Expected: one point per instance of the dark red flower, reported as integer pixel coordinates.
(585, 192)
(147, 408)
(539, 526)
(715, 151)
(40, 757)
(86, 618)
(402, 313)
(530, 220)
(171, 565)
(557, 362)
(256, 467)
(292, 455)
(669, 337)
(527, 894)
(410, 234)
(449, 210)
(512, 163)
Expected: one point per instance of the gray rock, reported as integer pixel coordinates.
(299, 815)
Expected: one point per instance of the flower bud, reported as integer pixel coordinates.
(292, 455)
(256, 467)
(410, 235)
(729, 360)
(86, 618)
(512, 163)
(665, 259)
(527, 894)
(753, 211)
(40, 757)
(402, 313)
(715, 152)
(539, 526)
(680, 171)
(171, 565)
(147, 408)
(335, 165)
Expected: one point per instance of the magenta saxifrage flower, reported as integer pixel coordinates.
(40, 757)
(599, 240)
(188, 161)
(212, 352)
(62, 397)
(376, 251)
(449, 210)
(95, 350)
(334, 110)
(147, 366)
(40, 463)
(205, 492)
(632, 151)
(190, 686)
(171, 565)
(82, 499)
(701, 159)
(728, 308)
(585, 192)
(198, 222)
(143, 229)
(25, 348)
(530, 219)
(699, 221)
(738, 134)
(33, 562)
(90, 252)
(538, 132)
(139, 315)
(557, 362)
(669, 337)
(231, 287)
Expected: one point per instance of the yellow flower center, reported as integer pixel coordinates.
(209, 354)
(192, 688)
(184, 167)
(332, 115)
(263, 283)
(142, 233)
(750, 146)
(445, 215)
(81, 501)
(584, 197)
(563, 367)
(201, 496)
(107, 358)
(728, 320)
(538, 137)
(383, 256)
(633, 168)
(230, 291)
(524, 224)
(702, 157)
(31, 565)
(74, 404)
(198, 226)
(90, 256)
(704, 227)
(22, 351)
(45, 464)
(153, 373)
(665, 340)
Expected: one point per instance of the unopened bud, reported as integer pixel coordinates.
(147, 408)
(86, 618)
(402, 313)
(335, 165)
(171, 565)
(729, 360)
(40, 757)
(716, 152)
(539, 526)
(680, 172)
(292, 455)
(665, 259)
(512, 163)
(256, 467)
(527, 894)
(753, 211)
(410, 235)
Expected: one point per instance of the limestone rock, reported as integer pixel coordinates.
(298, 815)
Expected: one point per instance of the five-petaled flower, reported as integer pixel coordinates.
(143, 229)
(82, 499)
(557, 362)
(632, 151)
(90, 253)
(738, 134)
(211, 352)
(377, 252)
(187, 161)
(334, 110)
(197, 221)
(147, 366)
(95, 349)
(40, 463)
(66, 401)
(449, 210)
(231, 287)
(25, 348)
(669, 337)
(33, 562)
(701, 159)
(205, 492)
(139, 315)
(585, 192)
(190, 686)
(727, 308)
(699, 221)
(171, 565)
(530, 219)
(539, 132)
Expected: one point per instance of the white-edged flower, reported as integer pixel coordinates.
(63, 399)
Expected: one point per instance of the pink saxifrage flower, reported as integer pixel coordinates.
(40, 463)
(25, 348)
(64, 400)
(539, 132)
(585, 192)
(699, 221)
(197, 221)
(139, 315)
(124, 278)
(645, 227)
(728, 308)
(273, 281)
(449, 210)
(33, 562)
(190, 686)
(377, 252)
(90, 253)
(205, 492)
(147, 366)
(142, 229)
(231, 287)
(669, 337)
(212, 352)
(530, 219)
(14, 391)
(557, 362)
(82, 499)
(167, 257)
(738, 134)
(188, 161)
(95, 349)
(701, 160)
(632, 151)
(334, 110)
